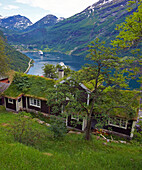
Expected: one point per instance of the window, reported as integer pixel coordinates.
(35, 102)
(118, 122)
(10, 101)
(74, 117)
(19, 100)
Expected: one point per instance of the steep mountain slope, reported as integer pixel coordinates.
(72, 35)
(47, 21)
(16, 22)
(16, 60)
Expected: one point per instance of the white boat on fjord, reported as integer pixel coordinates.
(40, 52)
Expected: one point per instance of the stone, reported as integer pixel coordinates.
(26, 117)
(107, 140)
(5, 124)
(49, 154)
(98, 137)
(78, 133)
(71, 131)
(47, 124)
(121, 141)
(115, 141)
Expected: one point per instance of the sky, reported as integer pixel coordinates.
(37, 9)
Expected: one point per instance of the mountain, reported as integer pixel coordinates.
(16, 60)
(72, 35)
(47, 21)
(16, 22)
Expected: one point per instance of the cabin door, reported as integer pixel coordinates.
(19, 104)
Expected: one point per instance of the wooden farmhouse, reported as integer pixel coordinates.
(28, 92)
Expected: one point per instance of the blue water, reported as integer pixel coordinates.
(74, 62)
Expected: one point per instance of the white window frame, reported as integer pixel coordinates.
(112, 122)
(35, 102)
(10, 101)
(75, 118)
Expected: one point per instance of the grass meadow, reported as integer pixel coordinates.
(71, 152)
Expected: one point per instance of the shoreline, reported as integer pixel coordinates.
(28, 51)
(29, 66)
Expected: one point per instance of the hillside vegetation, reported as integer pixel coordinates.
(71, 152)
(16, 60)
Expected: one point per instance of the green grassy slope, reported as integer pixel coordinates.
(70, 153)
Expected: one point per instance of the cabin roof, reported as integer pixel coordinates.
(3, 77)
(30, 85)
(3, 87)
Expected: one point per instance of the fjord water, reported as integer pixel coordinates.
(74, 62)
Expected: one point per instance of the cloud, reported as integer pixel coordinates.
(0, 4)
(64, 8)
(10, 7)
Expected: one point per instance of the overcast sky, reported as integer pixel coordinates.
(36, 9)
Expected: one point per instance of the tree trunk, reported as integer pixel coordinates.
(89, 120)
(88, 128)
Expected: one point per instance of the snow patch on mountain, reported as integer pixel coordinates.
(16, 22)
(60, 19)
(105, 1)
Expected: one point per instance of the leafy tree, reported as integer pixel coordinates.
(67, 71)
(105, 79)
(130, 31)
(105, 72)
(130, 35)
(3, 63)
(49, 71)
(138, 131)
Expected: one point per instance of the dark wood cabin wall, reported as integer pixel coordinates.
(10, 105)
(24, 101)
(44, 107)
(121, 130)
(1, 100)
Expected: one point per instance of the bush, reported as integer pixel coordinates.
(2, 108)
(23, 131)
(58, 127)
(138, 132)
